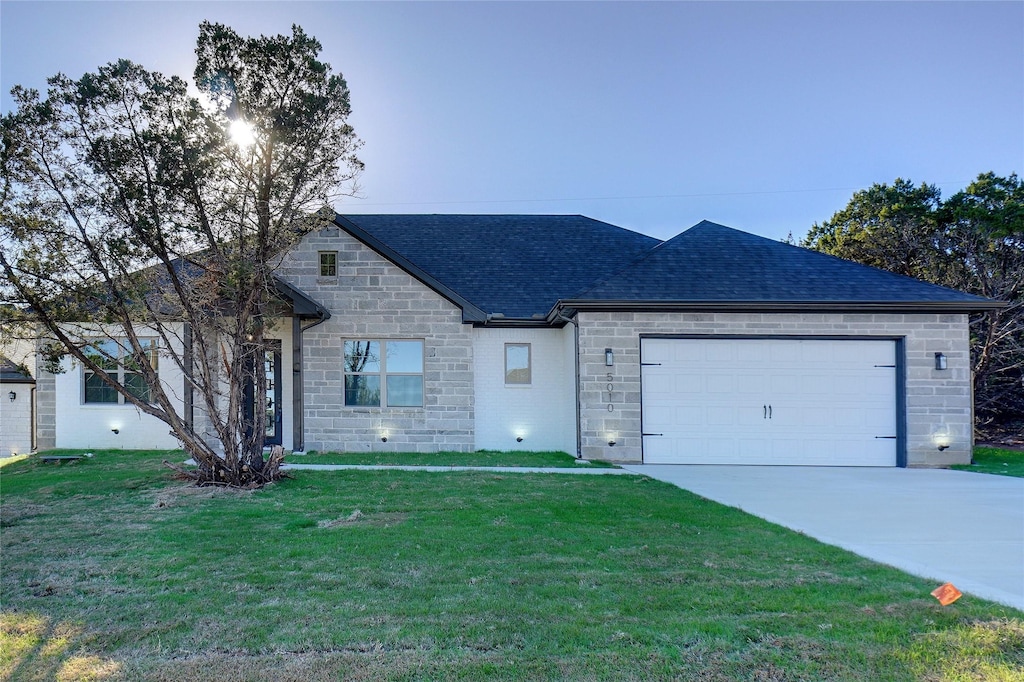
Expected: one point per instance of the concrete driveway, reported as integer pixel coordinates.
(949, 526)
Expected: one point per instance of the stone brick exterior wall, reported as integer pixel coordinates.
(46, 408)
(371, 298)
(935, 400)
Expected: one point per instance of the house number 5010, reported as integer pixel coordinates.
(609, 388)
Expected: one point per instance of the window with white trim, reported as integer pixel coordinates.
(114, 356)
(517, 364)
(392, 378)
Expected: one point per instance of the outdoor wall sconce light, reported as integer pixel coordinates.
(609, 358)
(611, 443)
(11, 396)
(116, 431)
(943, 447)
(940, 361)
(383, 439)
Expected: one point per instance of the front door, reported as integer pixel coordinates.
(271, 402)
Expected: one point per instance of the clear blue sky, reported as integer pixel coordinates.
(763, 116)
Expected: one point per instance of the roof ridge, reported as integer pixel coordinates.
(644, 256)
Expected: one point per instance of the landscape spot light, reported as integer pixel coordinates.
(519, 439)
(611, 443)
(116, 430)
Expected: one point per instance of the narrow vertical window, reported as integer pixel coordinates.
(328, 263)
(517, 364)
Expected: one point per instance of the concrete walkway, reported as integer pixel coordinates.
(949, 526)
(508, 470)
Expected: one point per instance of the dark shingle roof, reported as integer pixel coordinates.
(522, 265)
(517, 265)
(11, 373)
(711, 262)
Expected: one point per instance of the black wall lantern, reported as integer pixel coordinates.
(609, 358)
(11, 396)
(940, 361)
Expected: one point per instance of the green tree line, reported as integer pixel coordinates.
(973, 241)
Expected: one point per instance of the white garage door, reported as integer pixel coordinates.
(769, 401)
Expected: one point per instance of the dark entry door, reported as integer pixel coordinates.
(271, 401)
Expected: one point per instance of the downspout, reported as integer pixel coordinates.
(32, 418)
(576, 356)
(189, 406)
(298, 390)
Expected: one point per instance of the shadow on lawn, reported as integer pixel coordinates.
(36, 649)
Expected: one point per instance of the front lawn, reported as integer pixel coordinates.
(480, 458)
(113, 570)
(995, 461)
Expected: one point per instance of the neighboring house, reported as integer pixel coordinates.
(462, 332)
(16, 409)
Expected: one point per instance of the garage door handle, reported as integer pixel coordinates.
(769, 411)
(892, 437)
(652, 434)
(765, 408)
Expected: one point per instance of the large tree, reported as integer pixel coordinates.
(141, 223)
(973, 241)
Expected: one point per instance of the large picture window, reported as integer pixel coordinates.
(116, 359)
(392, 378)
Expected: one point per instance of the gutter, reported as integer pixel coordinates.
(776, 306)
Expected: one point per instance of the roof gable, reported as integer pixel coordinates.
(714, 263)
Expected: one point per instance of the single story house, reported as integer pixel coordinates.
(560, 332)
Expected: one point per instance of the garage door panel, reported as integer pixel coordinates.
(828, 401)
(659, 384)
(721, 416)
(688, 383)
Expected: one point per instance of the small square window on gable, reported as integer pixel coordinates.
(328, 263)
(517, 364)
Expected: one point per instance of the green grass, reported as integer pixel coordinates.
(483, 458)
(113, 570)
(995, 461)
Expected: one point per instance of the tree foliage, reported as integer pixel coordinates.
(973, 241)
(129, 213)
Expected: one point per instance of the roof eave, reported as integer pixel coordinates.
(302, 304)
(775, 306)
(470, 312)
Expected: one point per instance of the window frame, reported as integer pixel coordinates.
(382, 373)
(331, 266)
(529, 363)
(121, 369)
